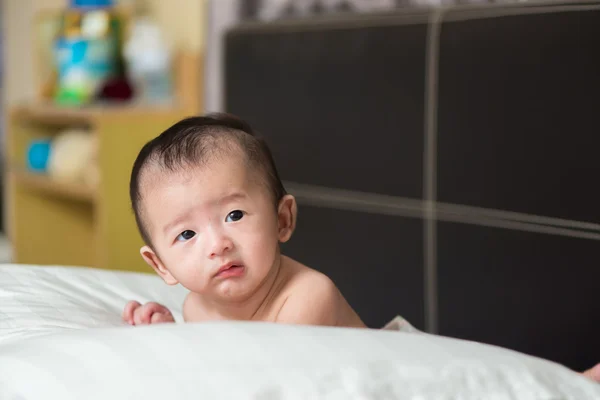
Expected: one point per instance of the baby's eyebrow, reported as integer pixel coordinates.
(232, 197)
(179, 219)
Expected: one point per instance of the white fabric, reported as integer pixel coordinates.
(234, 360)
(37, 300)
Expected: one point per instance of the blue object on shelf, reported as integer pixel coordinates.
(38, 154)
(91, 3)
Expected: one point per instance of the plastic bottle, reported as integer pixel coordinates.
(148, 58)
(87, 50)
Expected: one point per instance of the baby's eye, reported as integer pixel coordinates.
(233, 216)
(186, 235)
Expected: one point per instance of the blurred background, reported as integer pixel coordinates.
(443, 153)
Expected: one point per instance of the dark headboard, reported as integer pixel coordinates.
(445, 164)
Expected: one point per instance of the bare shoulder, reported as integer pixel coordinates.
(304, 280)
(303, 275)
(312, 298)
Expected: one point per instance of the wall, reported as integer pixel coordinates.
(17, 17)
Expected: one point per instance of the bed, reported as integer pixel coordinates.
(61, 337)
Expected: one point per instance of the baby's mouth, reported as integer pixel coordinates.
(230, 270)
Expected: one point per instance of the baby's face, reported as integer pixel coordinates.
(214, 228)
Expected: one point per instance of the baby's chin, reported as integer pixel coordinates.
(237, 287)
(233, 290)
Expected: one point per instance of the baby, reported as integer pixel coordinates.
(212, 212)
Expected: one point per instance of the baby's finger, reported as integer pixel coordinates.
(161, 318)
(144, 314)
(129, 311)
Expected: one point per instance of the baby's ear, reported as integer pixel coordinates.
(154, 261)
(287, 214)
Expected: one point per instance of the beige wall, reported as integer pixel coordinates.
(17, 17)
(180, 19)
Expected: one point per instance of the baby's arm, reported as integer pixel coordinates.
(314, 301)
(149, 313)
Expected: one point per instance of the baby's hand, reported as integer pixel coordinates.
(149, 313)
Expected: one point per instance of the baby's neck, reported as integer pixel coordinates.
(250, 308)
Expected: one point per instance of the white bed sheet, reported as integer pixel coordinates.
(37, 300)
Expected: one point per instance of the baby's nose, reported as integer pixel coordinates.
(220, 245)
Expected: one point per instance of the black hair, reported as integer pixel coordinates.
(193, 141)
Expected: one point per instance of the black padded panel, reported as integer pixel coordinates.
(375, 260)
(530, 292)
(518, 103)
(340, 107)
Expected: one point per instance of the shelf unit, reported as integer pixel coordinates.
(43, 184)
(57, 223)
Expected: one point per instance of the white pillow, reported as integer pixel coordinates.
(229, 359)
(37, 300)
(243, 360)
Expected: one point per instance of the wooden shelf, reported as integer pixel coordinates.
(76, 224)
(56, 223)
(48, 113)
(46, 184)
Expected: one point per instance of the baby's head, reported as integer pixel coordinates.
(210, 206)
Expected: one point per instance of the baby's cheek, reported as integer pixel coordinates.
(263, 252)
(192, 278)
